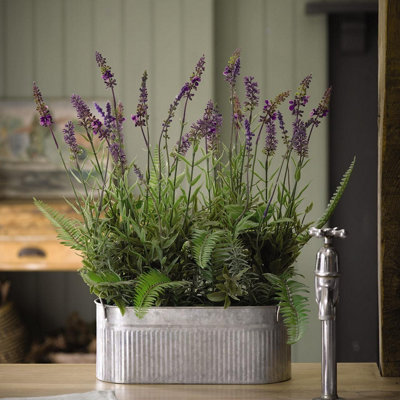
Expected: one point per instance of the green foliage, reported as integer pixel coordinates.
(150, 286)
(336, 196)
(205, 223)
(204, 243)
(293, 304)
(69, 230)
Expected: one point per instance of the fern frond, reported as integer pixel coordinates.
(68, 229)
(204, 243)
(150, 286)
(336, 197)
(293, 304)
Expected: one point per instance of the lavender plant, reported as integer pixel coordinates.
(197, 224)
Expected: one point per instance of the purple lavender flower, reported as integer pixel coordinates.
(232, 69)
(271, 142)
(104, 129)
(194, 80)
(322, 109)
(249, 136)
(70, 138)
(96, 126)
(299, 138)
(283, 129)
(207, 127)
(99, 110)
(141, 117)
(210, 124)
(252, 93)
(118, 154)
(185, 88)
(43, 110)
(214, 124)
(300, 98)
(82, 110)
(107, 75)
(270, 107)
(138, 172)
(184, 145)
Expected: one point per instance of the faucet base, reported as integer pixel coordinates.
(328, 398)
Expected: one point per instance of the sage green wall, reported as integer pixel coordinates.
(53, 42)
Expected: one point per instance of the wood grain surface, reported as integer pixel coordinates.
(389, 186)
(355, 381)
(24, 230)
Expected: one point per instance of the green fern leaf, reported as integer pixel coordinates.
(204, 243)
(336, 197)
(293, 304)
(68, 229)
(150, 286)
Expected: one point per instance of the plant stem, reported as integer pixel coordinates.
(177, 160)
(190, 183)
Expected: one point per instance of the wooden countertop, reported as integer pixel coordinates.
(355, 381)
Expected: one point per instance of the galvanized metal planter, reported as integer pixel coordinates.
(239, 345)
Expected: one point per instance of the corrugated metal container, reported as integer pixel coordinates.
(209, 345)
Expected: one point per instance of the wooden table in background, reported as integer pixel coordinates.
(355, 381)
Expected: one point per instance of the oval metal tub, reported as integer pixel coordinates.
(206, 345)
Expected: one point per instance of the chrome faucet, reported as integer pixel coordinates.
(327, 296)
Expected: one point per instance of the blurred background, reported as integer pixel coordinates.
(53, 42)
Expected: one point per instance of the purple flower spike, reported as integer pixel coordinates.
(322, 110)
(194, 80)
(118, 154)
(141, 118)
(249, 136)
(186, 91)
(138, 172)
(299, 138)
(70, 138)
(82, 110)
(232, 70)
(99, 110)
(252, 93)
(210, 124)
(300, 98)
(283, 129)
(271, 141)
(96, 126)
(107, 75)
(184, 146)
(43, 110)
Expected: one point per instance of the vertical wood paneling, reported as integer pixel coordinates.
(280, 44)
(137, 57)
(80, 65)
(197, 35)
(3, 33)
(251, 40)
(48, 55)
(167, 49)
(51, 303)
(77, 297)
(108, 26)
(226, 41)
(19, 48)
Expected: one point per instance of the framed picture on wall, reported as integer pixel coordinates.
(30, 165)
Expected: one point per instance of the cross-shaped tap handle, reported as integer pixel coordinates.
(328, 233)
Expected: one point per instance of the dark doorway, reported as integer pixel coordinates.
(353, 132)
